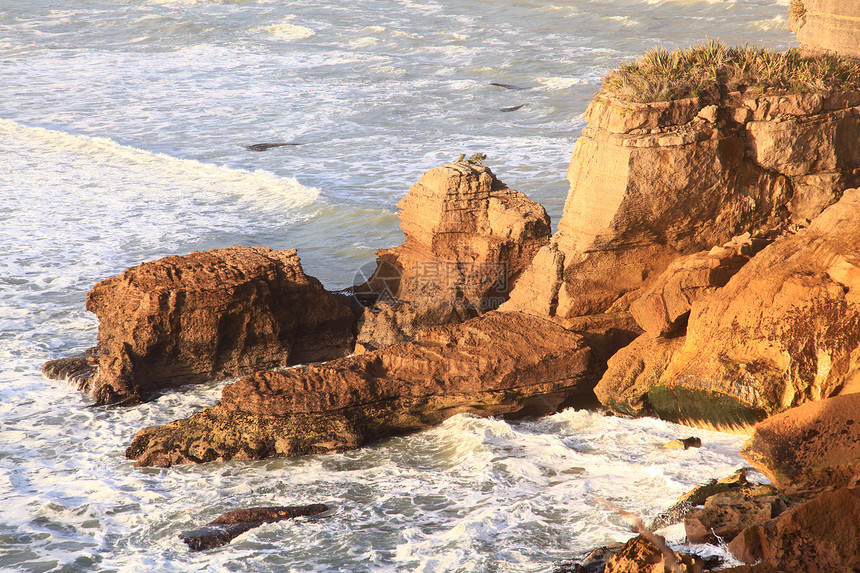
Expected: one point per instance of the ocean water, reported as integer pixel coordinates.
(123, 134)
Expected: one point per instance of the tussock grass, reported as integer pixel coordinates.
(796, 8)
(711, 68)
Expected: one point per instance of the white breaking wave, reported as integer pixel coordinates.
(256, 186)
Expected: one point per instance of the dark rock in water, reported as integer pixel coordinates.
(725, 515)
(684, 444)
(230, 525)
(507, 86)
(267, 146)
(513, 108)
(594, 562)
(79, 370)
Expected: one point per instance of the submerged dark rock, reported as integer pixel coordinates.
(226, 527)
(267, 146)
(79, 370)
(513, 108)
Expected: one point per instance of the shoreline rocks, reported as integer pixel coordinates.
(208, 315)
(228, 526)
(533, 367)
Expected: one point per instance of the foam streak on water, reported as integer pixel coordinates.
(124, 128)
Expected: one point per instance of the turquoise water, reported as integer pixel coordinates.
(123, 134)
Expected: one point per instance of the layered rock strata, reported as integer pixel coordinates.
(652, 182)
(468, 237)
(212, 314)
(831, 25)
(499, 363)
(783, 331)
(812, 446)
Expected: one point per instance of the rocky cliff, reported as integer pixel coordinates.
(832, 25)
(654, 181)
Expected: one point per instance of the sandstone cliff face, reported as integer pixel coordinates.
(499, 363)
(467, 239)
(785, 330)
(212, 314)
(651, 182)
(832, 25)
(811, 446)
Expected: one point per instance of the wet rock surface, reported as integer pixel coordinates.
(228, 526)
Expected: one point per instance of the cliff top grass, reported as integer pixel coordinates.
(712, 68)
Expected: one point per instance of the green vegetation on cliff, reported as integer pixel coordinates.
(712, 68)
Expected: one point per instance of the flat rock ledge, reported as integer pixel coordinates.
(496, 364)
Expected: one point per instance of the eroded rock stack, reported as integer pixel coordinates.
(830, 25)
(208, 315)
(654, 181)
(468, 237)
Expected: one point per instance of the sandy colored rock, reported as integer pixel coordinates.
(641, 556)
(832, 25)
(499, 363)
(652, 182)
(814, 445)
(819, 535)
(633, 371)
(468, 237)
(785, 329)
(663, 308)
(725, 515)
(212, 314)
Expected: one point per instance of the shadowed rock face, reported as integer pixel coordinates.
(832, 25)
(499, 363)
(211, 314)
(651, 182)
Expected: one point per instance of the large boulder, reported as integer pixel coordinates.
(814, 445)
(495, 364)
(832, 25)
(818, 535)
(785, 329)
(653, 181)
(468, 237)
(212, 314)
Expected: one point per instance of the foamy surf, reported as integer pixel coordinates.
(258, 186)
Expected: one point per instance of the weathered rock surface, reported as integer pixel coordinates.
(468, 237)
(814, 445)
(652, 182)
(499, 363)
(832, 25)
(228, 526)
(664, 307)
(785, 329)
(818, 535)
(639, 555)
(212, 314)
(79, 370)
(725, 515)
(633, 371)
